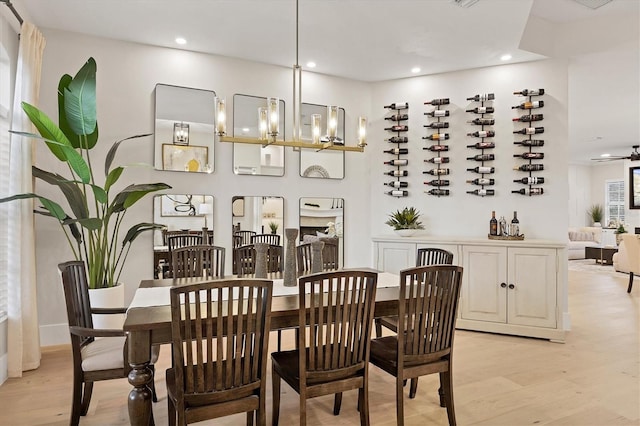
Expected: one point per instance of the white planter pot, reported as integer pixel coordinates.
(111, 297)
(405, 232)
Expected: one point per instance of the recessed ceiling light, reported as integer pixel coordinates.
(505, 57)
(311, 64)
(181, 40)
(605, 155)
(415, 70)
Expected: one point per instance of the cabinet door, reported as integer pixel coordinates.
(485, 269)
(394, 257)
(532, 300)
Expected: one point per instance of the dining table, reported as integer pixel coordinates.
(148, 323)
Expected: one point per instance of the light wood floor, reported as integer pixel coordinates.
(591, 380)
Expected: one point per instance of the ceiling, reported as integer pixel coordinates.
(370, 40)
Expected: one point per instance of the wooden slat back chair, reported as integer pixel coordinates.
(272, 239)
(245, 237)
(198, 261)
(93, 360)
(220, 350)
(303, 254)
(427, 308)
(275, 258)
(245, 260)
(176, 241)
(337, 338)
(329, 254)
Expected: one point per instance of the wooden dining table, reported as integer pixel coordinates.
(148, 322)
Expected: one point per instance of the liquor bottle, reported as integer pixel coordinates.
(398, 193)
(481, 110)
(493, 224)
(482, 134)
(397, 105)
(396, 151)
(482, 169)
(398, 117)
(397, 184)
(437, 172)
(437, 160)
(514, 228)
(482, 181)
(502, 227)
(529, 117)
(397, 173)
(530, 155)
(437, 125)
(437, 148)
(441, 101)
(483, 121)
(530, 180)
(482, 192)
(398, 128)
(438, 113)
(438, 182)
(530, 130)
(397, 162)
(482, 145)
(482, 157)
(530, 92)
(438, 191)
(530, 142)
(398, 139)
(437, 136)
(529, 191)
(483, 97)
(529, 105)
(529, 167)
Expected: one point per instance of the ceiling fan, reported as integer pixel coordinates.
(634, 156)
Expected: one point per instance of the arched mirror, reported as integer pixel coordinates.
(254, 159)
(323, 219)
(184, 129)
(321, 164)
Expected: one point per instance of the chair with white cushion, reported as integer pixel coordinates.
(632, 247)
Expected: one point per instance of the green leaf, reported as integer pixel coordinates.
(113, 177)
(47, 129)
(100, 194)
(80, 100)
(52, 207)
(69, 189)
(138, 229)
(112, 151)
(132, 193)
(76, 141)
(75, 231)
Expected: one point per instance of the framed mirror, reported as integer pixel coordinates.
(184, 129)
(321, 164)
(254, 159)
(259, 215)
(323, 218)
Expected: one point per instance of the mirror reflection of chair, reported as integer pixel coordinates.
(245, 259)
(303, 254)
(427, 309)
(329, 253)
(245, 237)
(198, 261)
(272, 239)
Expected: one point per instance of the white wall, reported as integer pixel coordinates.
(579, 195)
(602, 172)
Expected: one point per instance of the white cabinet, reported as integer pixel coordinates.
(394, 257)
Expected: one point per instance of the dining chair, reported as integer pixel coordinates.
(183, 240)
(427, 309)
(93, 359)
(272, 239)
(245, 260)
(198, 261)
(336, 312)
(220, 336)
(632, 247)
(275, 258)
(245, 237)
(303, 255)
(330, 254)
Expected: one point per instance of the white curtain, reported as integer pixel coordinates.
(23, 335)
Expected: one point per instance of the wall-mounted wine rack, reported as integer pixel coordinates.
(483, 150)
(531, 130)
(399, 128)
(440, 159)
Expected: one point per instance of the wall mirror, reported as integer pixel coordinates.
(184, 129)
(321, 164)
(258, 215)
(254, 159)
(323, 218)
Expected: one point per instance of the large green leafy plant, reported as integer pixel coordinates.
(92, 227)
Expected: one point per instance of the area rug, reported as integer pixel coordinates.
(590, 265)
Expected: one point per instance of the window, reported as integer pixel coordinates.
(614, 201)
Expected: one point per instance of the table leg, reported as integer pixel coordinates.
(140, 376)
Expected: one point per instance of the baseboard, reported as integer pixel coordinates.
(54, 334)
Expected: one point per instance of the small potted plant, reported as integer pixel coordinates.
(619, 231)
(595, 211)
(274, 227)
(405, 222)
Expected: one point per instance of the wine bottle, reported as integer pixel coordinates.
(397, 184)
(530, 131)
(438, 191)
(529, 117)
(483, 121)
(514, 228)
(396, 151)
(398, 128)
(438, 113)
(397, 162)
(530, 92)
(493, 224)
(530, 142)
(529, 191)
(483, 97)
(438, 182)
(398, 117)
(482, 134)
(398, 193)
(398, 105)
(437, 136)
(482, 145)
(481, 110)
(529, 167)
(398, 139)
(437, 172)
(482, 169)
(441, 101)
(482, 157)
(529, 105)
(437, 125)
(437, 160)
(397, 173)
(482, 192)
(530, 180)
(482, 181)
(437, 148)
(530, 155)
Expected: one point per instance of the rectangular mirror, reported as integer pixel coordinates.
(321, 164)
(254, 159)
(184, 129)
(323, 219)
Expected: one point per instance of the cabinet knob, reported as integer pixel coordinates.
(503, 285)
(511, 286)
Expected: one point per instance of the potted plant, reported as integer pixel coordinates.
(274, 227)
(619, 231)
(595, 212)
(405, 222)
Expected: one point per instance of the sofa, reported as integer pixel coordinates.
(579, 238)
